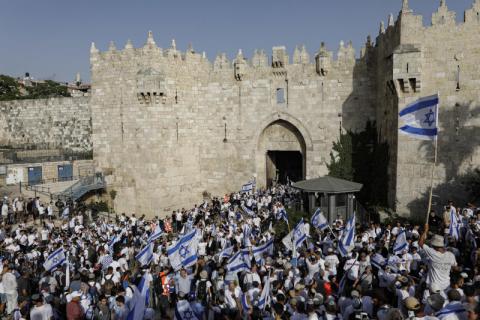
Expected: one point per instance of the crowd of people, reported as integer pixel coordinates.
(238, 257)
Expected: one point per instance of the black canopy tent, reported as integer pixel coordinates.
(335, 196)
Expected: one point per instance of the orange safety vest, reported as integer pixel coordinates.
(165, 284)
(167, 226)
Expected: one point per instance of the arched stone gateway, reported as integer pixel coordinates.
(281, 152)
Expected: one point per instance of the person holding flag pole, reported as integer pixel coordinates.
(421, 122)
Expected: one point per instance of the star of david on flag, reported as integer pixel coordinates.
(55, 259)
(184, 311)
(184, 251)
(420, 118)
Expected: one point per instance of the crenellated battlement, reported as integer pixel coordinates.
(279, 59)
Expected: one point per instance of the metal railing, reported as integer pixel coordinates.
(82, 186)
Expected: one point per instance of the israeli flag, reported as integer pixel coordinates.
(247, 211)
(55, 259)
(157, 233)
(139, 302)
(184, 251)
(299, 234)
(400, 243)
(247, 187)
(454, 228)
(245, 305)
(238, 263)
(282, 214)
(111, 243)
(452, 309)
(265, 295)
(259, 251)
(226, 253)
(347, 241)
(184, 311)
(319, 221)
(421, 118)
(377, 260)
(145, 255)
(247, 231)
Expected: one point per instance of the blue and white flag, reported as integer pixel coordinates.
(157, 233)
(184, 251)
(282, 214)
(145, 255)
(319, 221)
(265, 295)
(139, 302)
(299, 234)
(347, 241)
(226, 253)
(400, 242)
(247, 187)
(248, 211)
(454, 228)
(421, 118)
(184, 311)
(452, 309)
(247, 231)
(377, 260)
(245, 304)
(116, 238)
(55, 259)
(266, 248)
(238, 262)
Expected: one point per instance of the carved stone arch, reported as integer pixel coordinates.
(287, 118)
(283, 145)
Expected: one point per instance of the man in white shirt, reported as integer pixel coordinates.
(9, 282)
(440, 261)
(40, 311)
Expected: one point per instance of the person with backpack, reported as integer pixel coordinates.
(203, 292)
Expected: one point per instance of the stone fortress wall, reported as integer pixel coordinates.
(180, 125)
(47, 124)
(415, 61)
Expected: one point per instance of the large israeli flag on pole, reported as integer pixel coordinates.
(184, 252)
(55, 259)
(420, 118)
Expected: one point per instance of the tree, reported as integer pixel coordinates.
(360, 157)
(341, 158)
(471, 182)
(9, 89)
(48, 89)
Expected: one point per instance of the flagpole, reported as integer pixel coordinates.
(435, 148)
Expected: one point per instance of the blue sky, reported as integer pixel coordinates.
(51, 38)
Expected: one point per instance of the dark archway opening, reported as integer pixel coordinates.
(284, 166)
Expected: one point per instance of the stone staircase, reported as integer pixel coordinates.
(71, 189)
